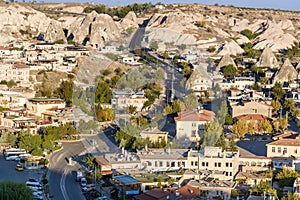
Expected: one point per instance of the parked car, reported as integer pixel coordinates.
(88, 188)
(83, 182)
(19, 167)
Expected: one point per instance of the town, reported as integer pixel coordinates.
(149, 101)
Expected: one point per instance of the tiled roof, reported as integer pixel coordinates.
(194, 115)
(286, 142)
(21, 65)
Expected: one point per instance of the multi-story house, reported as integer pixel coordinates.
(121, 100)
(213, 158)
(191, 124)
(18, 72)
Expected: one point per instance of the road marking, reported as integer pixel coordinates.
(63, 184)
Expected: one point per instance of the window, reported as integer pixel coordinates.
(160, 163)
(284, 150)
(227, 164)
(219, 164)
(215, 164)
(203, 164)
(230, 173)
(295, 151)
(206, 164)
(196, 163)
(193, 124)
(192, 163)
(279, 150)
(230, 164)
(155, 163)
(168, 164)
(172, 164)
(273, 149)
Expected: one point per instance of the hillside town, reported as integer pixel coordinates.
(149, 102)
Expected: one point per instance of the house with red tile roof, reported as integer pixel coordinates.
(191, 123)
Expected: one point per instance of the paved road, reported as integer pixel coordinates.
(61, 176)
(101, 143)
(8, 172)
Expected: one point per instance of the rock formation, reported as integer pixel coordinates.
(267, 59)
(226, 60)
(286, 73)
(231, 48)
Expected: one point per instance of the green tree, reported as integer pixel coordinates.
(264, 186)
(289, 104)
(266, 126)
(248, 33)
(286, 177)
(90, 161)
(240, 128)
(104, 114)
(13, 191)
(251, 127)
(11, 83)
(221, 142)
(230, 71)
(276, 105)
(103, 92)
(277, 91)
(65, 92)
(291, 196)
(190, 102)
(31, 143)
(232, 145)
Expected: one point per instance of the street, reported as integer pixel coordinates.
(8, 172)
(61, 175)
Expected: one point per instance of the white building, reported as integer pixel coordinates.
(191, 124)
(14, 71)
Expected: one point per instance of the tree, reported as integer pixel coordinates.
(251, 127)
(276, 105)
(31, 143)
(232, 145)
(90, 161)
(264, 186)
(286, 177)
(229, 71)
(221, 142)
(266, 126)
(212, 133)
(65, 92)
(277, 91)
(12, 190)
(11, 83)
(104, 114)
(190, 102)
(132, 109)
(248, 33)
(103, 92)
(281, 124)
(240, 128)
(165, 55)
(291, 196)
(289, 104)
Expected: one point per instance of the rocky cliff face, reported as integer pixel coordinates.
(184, 24)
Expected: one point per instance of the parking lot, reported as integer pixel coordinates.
(8, 172)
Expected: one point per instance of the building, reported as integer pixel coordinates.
(155, 135)
(239, 83)
(296, 186)
(191, 124)
(121, 100)
(199, 81)
(251, 107)
(17, 72)
(212, 158)
(127, 185)
(39, 105)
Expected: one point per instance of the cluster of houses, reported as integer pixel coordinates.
(18, 59)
